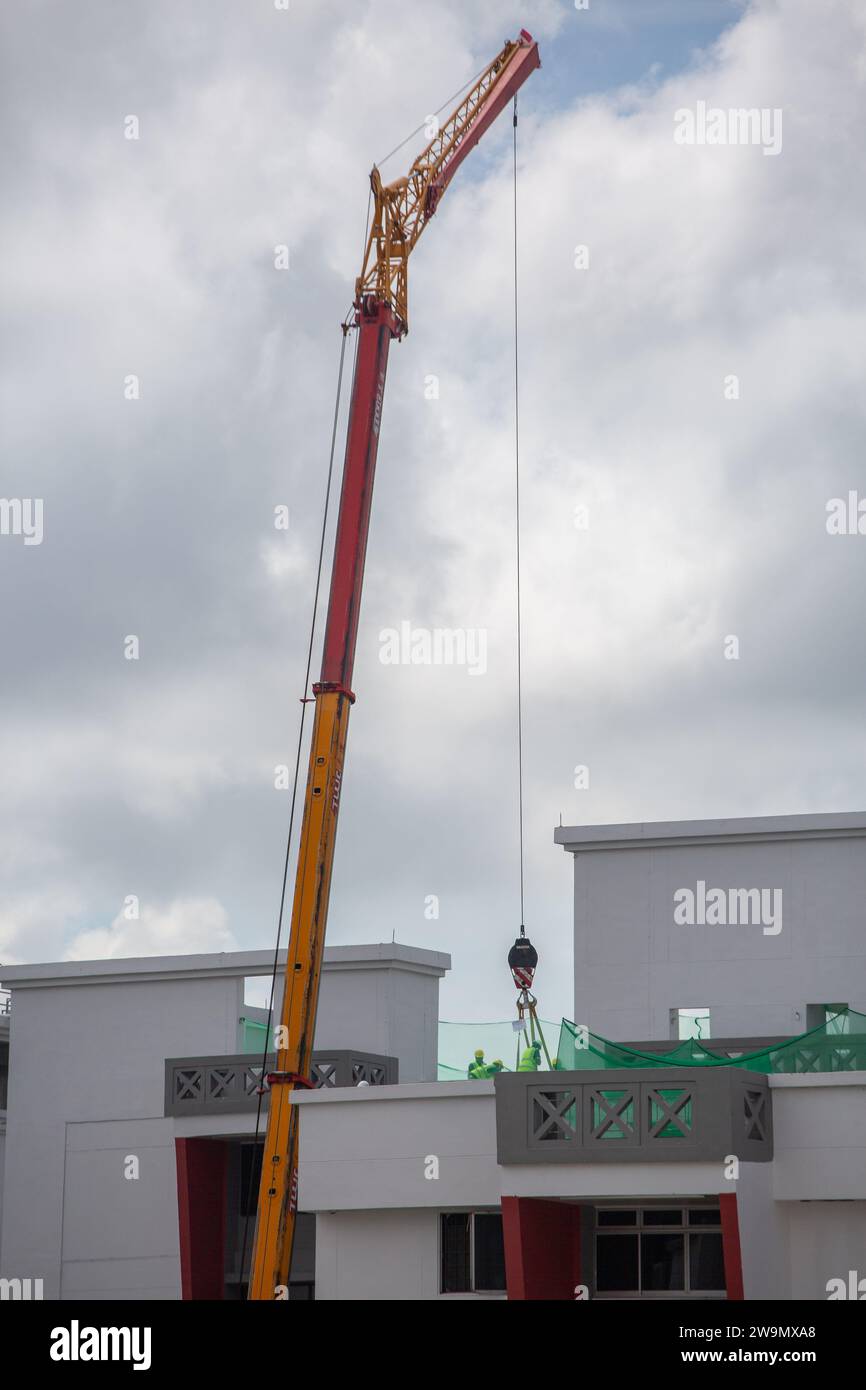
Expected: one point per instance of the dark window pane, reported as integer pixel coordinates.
(489, 1251)
(616, 1264)
(706, 1264)
(616, 1218)
(251, 1174)
(662, 1263)
(455, 1252)
(301, 1293)
(658, 1216)
(705, 1216)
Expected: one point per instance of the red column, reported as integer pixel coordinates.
(731, 1245)
(542, 1248)
(201, 1205)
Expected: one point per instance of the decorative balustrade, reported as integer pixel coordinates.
(229, 1084)
(656, 1114)
(822, 1053)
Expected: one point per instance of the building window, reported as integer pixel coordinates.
(690, 1023)
(673, 1252)
(831, 1017)
(472, 1252)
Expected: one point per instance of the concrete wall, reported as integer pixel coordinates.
(764, 1243)
(633, 963)
(375, 1255)
(2, 1166)
(383, 999)
(389, 1255)
(86, 1091)
(819, 1125)
(373, 1148)
(827, 1241)
(86, 1083)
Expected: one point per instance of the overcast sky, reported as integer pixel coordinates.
(706, 513)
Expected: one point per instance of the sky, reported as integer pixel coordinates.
(690, 402)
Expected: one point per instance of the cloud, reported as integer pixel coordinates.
(706, 515)
(30, 922)
(184, 927)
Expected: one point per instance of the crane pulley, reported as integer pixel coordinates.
(401, 211)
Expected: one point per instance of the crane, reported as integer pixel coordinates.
(400, 212)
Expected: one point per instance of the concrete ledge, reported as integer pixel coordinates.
(413, 1090)
(742, 830)
(218, 965)
(809, 1080)
(603, 1181)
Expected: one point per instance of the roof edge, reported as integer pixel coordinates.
(217, 965)
(743, 829)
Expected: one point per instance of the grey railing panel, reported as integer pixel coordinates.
(656, 1114)
(229, 1084)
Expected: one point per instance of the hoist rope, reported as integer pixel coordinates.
(298, 753)
(517, 529)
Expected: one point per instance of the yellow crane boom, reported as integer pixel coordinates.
(401, 212)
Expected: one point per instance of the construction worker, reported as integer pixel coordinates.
(481, 1070)
(492, 1068)
(477, 1069)
(530, 1058)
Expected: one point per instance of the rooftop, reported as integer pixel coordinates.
(231, 964)
(742, 829)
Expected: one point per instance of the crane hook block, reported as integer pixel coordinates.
(522, 960)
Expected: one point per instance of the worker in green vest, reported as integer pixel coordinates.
(492, 1068)
(477, 1068)
(530, 1058)
(480, 1070)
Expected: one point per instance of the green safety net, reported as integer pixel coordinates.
(252, 1037)
(458, 1043)
(838, 1044)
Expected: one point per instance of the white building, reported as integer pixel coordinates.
(661, 1181)
(123, 1171)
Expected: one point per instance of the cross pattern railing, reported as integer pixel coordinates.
(844, 1052)
(220, 1085)
(667, 1113)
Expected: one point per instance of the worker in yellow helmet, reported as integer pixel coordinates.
(481, 1070)
(530, 1059)
(477, 1068)
(492, 1068)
